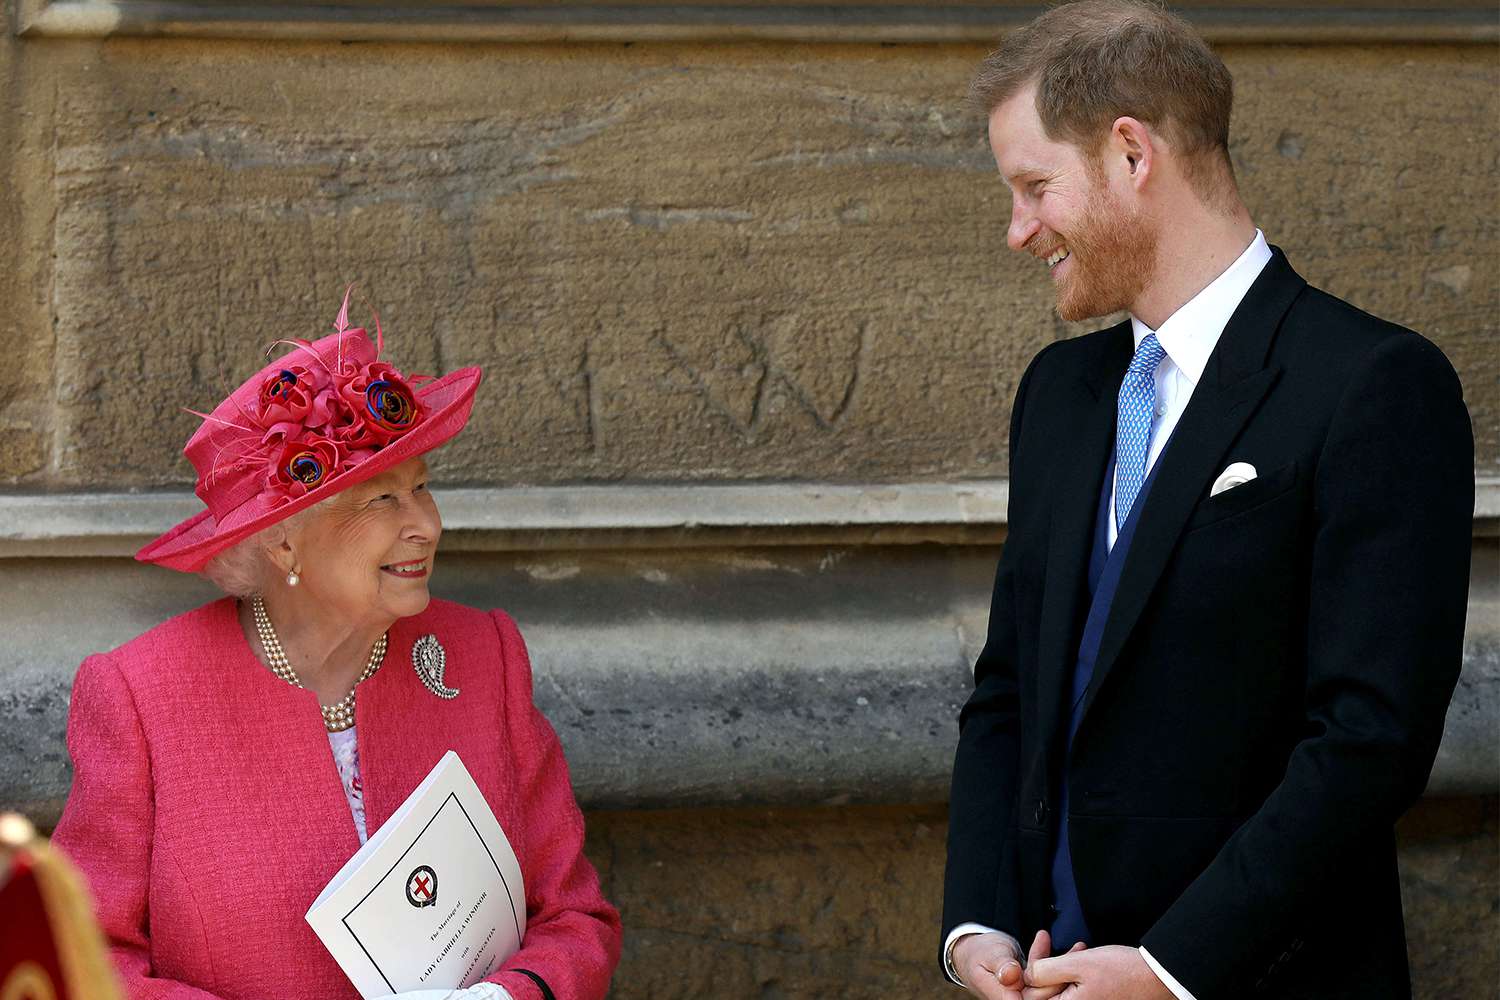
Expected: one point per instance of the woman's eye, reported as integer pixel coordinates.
(419, 488)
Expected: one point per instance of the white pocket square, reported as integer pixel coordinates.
(1237, 474)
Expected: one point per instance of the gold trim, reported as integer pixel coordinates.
(80, 944)
(28, 981)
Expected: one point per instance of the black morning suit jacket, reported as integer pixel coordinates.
(1270, 690)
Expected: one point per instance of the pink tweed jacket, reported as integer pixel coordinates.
(207, 813)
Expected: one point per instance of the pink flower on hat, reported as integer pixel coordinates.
(303, 463)
(380, 407)
(296, 398)
(286, 396)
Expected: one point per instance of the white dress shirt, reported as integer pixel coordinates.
(1188, 336)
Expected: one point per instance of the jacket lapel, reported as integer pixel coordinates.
(1084, 443)
(1235, 380)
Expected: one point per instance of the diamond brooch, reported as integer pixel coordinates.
(428, 658)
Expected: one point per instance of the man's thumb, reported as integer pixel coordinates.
(1052, 971)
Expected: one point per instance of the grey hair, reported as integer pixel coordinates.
(244, 569)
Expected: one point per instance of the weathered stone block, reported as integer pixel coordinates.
(776, 904)
(23, 451)
(1450, 888)
(676, 261)
(846, 902)
(1379, 209)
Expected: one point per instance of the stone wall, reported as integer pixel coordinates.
(678, 263)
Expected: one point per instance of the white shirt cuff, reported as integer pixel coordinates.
(964, 930)
(1178, 990)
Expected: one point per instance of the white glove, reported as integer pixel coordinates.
(479, 991)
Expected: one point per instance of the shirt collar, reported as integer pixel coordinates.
(1190, 334)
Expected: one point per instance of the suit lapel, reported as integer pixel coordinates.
(1084, 444)
(1235, 380)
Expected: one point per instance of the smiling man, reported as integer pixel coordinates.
(1229, 614)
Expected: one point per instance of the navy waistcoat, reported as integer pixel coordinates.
(1105, 564)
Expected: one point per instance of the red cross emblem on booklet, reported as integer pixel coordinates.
(421, 887)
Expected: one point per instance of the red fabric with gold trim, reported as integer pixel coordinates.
(30, 967)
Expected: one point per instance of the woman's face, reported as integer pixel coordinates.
(367, 555)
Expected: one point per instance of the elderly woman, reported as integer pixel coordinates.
(229, 761)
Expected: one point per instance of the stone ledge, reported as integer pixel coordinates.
(568, 517)
(778, 675)
(533, 518)
(867, 23)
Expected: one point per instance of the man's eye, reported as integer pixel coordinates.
(419, 488)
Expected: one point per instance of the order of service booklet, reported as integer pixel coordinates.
(434, 900)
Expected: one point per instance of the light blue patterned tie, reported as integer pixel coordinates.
(1133, 425)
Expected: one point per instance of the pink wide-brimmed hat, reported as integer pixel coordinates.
(316, 421)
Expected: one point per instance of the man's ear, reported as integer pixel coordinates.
(1132, 147)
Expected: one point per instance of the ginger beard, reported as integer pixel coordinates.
(1111, 259)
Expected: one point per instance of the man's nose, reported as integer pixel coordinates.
(1023, 226)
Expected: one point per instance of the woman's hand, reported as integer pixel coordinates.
(479, 991)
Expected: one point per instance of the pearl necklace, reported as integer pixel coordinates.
(336, 717)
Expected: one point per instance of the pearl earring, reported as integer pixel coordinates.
(292, 579)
